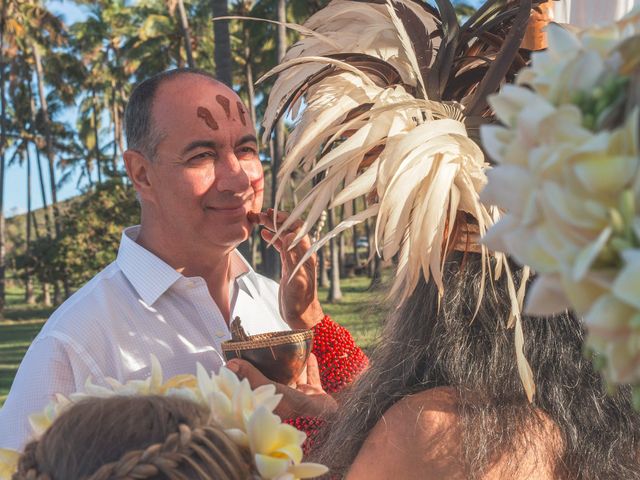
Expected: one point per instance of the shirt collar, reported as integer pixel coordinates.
(148, 274)
(245, 276)
(151, 276)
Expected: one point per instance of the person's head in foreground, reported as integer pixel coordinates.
(142, 437)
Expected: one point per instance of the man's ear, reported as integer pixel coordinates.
(138, 167)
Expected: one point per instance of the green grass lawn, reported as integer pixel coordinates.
(22, 323)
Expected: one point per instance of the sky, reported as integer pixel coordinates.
(15, 201)
(15, 176)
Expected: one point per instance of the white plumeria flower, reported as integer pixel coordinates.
(571, 195)
(614, 331)
(8, 463)
(41, 421)
(245, 415)
(276, 447)
(627, 284)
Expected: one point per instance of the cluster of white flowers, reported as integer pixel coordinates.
(246, 416)
(568, 179)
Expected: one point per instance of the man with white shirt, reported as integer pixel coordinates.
(178, 279)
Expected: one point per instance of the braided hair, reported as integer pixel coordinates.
(127, 438)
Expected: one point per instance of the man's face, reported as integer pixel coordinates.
(206, 174)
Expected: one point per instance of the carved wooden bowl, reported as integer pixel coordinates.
(280, 356)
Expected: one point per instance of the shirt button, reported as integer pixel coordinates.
(220, 333)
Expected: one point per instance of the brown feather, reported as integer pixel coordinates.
(420, 38)
(446, 52)
(499, 68)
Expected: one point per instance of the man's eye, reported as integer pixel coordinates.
(245, 151)
(202, 156)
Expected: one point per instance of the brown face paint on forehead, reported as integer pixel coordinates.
(225, 103)
(205, 114)
(241, 113)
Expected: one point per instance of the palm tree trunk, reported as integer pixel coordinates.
(46, 295)
(342, 255)
(335, 293)
(96, 146)
(114, 117)
(354, 239)
(375, 264)
(184, 24)
(34, 222)
(2, 159)
(323, 277)
(48, 139)
(43, 192)
(376, 272)
(50, 156)
(29, 297)
(45, 205)
(120, 113)
(248, 72)
(279, 134)
(369, 234)
(278, 141)
(222, 46)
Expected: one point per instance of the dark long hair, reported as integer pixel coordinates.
(427, 344)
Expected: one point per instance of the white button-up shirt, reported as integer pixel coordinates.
(135, 307)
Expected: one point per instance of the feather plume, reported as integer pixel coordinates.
(365, 131)
(407, 44)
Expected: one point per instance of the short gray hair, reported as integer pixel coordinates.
(141, 134)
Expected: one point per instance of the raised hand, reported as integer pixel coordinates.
(298, 294)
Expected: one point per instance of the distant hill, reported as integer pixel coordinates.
(16, 228)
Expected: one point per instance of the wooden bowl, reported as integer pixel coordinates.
(280, 356)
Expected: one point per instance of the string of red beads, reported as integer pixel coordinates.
(309, 425)
(340, 361)
(339, 358)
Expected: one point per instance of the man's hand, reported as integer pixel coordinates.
(305, 397)
(298, 294)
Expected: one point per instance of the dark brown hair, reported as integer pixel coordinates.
(435, 342)
(140, 131)
(152, 437)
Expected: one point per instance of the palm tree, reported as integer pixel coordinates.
(184, 25)
(29, 296)
(278, 140)
(222, 51)
(44, 108)
(156, 43)
(335, 292)
(105, 38)
(3, 17)
(20, 126)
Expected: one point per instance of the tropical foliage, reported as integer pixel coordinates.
(64, 88)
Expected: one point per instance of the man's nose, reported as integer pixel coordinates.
(231, 176)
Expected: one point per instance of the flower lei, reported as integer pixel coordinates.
(568, 177)
(245, 415)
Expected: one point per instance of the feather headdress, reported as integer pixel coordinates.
(393, 93)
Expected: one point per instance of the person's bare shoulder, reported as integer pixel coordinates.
(418, 437)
